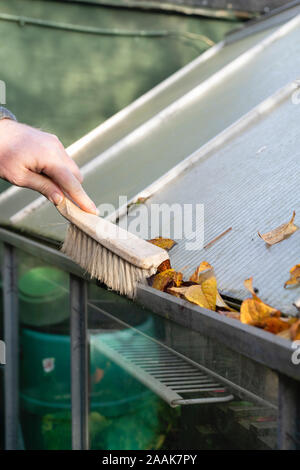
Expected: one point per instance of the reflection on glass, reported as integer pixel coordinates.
(45, 395)
(124, 412)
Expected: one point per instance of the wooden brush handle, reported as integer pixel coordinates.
(128, 246)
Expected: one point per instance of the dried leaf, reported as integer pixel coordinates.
(204, 295)
(274, 325)
(295, 331)
(254, 311)
(204, 271)
(209, 289)
(164, 266)
(294, 276)
(177, 291)
(165, 243)
(285, 334)
(195, 295)
(248, 283)
(280, 233)
(162, 280)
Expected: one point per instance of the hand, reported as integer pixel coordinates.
(37, 160)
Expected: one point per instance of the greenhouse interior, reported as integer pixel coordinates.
(179, 103)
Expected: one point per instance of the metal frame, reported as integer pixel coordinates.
(79, 363)
(11, 337)
(160, 367)
(260, 346)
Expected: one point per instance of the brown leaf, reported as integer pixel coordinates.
(177, 291)
(204, 271)
(280, 233)
(294, 279)
(274, 325)
(165, 243)
(163, 280)
(164, 266)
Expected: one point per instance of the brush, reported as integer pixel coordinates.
(107, 252)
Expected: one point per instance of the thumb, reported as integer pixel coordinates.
(45, 186)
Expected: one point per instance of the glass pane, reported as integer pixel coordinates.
(45, 395)
(124, 413)
(247, 422)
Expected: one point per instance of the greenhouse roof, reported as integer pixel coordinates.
(183, 141)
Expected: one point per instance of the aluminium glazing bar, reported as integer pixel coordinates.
(79, 363)
(288, 434)
(11, 338)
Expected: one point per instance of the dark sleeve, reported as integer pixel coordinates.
(5, 114)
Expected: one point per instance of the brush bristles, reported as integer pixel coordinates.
(102, 264)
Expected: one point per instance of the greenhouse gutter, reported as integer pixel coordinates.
(261, 346)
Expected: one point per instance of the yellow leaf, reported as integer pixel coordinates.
(195, 295)
(209, 289)
(163, 279)
(248, 283)
(294, 276)
(254, 311)
(204, 271)
(295, 331)
(285, 334)
(165, 243)
(280, 233)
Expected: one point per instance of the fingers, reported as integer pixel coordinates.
(65, 179)
(43, 185)
(68, 161)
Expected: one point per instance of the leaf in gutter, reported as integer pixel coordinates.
(164, 266)
(195, 295)
(248, 283)
(209, 289)
(166, 278)
(203, 271)
(280, 233)
(285, 334)
(204, 295)
(165, 243)
(255, 311)
(274, 325)
(178, 291)
(294, 279)
(295, 331)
